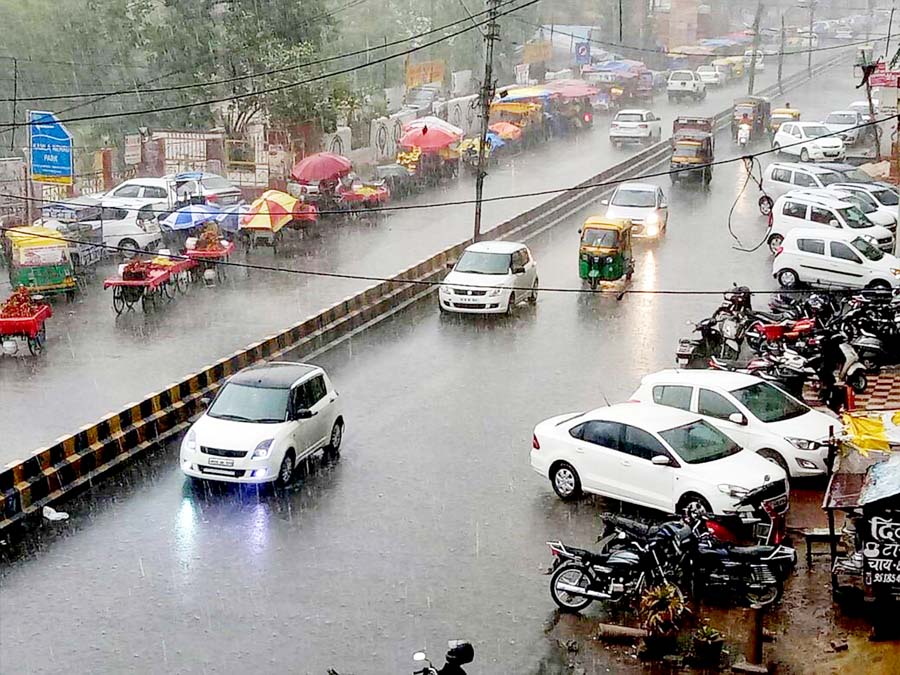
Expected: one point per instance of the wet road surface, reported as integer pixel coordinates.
(431, 526)
(96, 362)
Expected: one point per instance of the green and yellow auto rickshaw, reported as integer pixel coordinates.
(604, 253)
(39, 260)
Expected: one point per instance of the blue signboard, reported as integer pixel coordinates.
(583, 53)
(51, 149)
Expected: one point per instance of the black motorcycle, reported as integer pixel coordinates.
(459, 653)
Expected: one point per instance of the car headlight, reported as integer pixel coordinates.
(803, 443)
(652, 218)
(895, 272)
(263, 450)
(494, 292)
(444, 290)
(732, 490)
(190, 441)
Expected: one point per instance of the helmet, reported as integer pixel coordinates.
(460, 652)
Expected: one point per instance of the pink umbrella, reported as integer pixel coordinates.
(321, 166)
(428, 138)
(433, 122)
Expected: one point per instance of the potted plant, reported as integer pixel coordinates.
(708, 646)
(662, 611)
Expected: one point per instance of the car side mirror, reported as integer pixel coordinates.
(834, 223)
(605, 202)
(738, 418)
(450, 265)
(205, 401)
(579, 230)
(420, 656)
(664, 205)
(661, 460)
(303, 414)
(518, 270)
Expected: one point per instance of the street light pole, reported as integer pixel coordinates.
(781, 55)
(492, 34)
(809, 40)
(756, 22)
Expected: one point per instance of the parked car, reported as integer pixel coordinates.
(711, 76)
(878, 213)
(758, 415)
(833, 258)
(884, 195)
(649, 455)
(263, 422)
(635, 125)
(129, 224)
(421, 100)
(779, 178)
(644, 204)
(862, 107)
(173, 188)
(808, 210)
(848, 172)
(685, 84)
(847, 122)
(807, 140)
(490, 277)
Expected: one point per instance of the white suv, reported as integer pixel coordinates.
(635, 125)
(262, 423)
(809, 141)
(685, 84)
(648, 455)
(756, 414)
(712, 76)
(779, 178)
(491, 277)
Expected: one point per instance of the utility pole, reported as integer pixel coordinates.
(781, 55)
(868, 69)
(15, 96)
(492, 35)
(809, 54)
(756, 21)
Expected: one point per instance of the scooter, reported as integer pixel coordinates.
(459, 653)
(743, 135)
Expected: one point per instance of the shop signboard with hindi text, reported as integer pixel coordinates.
(50, 149)
(426, 72)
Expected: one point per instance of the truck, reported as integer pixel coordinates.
(685, 84)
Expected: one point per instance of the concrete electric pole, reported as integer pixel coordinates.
(492, 34)
(756, 21)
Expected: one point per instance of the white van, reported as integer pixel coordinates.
(833, 258)
(779, 178)
(803, 209)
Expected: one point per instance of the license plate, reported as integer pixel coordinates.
(685, 349)
(215, 461)
(779, 503)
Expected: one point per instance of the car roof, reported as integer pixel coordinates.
(273, 375)
(844, 112)
(495, 247)
(640, 187)
(811, 168)
(153, 182)
(807, 123)
(638, 111)
(705, 378)
(130, 203)
(839, 167)
(644, 415)
(835, 201)
(822, 233)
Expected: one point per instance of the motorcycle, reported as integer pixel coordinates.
(743, 135)
(459, 653)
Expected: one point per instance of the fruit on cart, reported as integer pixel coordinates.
(210, 239)
(137, 270)
(18, 305)
(410, 158)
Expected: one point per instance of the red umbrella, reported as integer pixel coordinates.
(321, 166)
(428, 138)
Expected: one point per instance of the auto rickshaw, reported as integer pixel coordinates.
(39, 261)
(692, 156)
(737, 65)
(780, 116)
(604, 253)
(757, 109)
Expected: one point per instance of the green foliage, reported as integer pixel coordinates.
(708, 634)
(663, 610)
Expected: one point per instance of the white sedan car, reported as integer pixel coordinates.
(491, 277)
(809, 141)
(262, 423)
(644, 204)
(711, 76)
(756, 414)
(649, 455)
(639, 126)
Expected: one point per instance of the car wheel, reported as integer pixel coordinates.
(775, 242)
(775, 458)
(765, 205)
(129, 248)
(879, 285)
(286, 470)
(532, 299)
(804, 155)
(788, 279)
(692, 501)
(337, 436)
(566, 482)
(511, 304)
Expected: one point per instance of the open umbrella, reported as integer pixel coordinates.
(433, 122)
(507, 131)
(321, 166)
(273, 210)
(428, 138)
(190, 216)
(230, 217)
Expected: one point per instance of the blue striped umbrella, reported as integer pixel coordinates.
(229, 218)
(191, 216)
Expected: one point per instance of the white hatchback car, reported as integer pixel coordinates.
(648, 455)
(644, 204)
(712, 76)
(262, 423)
(635, 125)
(129, 224)
(809, 141)
(756, 414)
(491, 277)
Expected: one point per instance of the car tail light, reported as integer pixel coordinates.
(587, 118)
(212, 199)
(642, 126)
(534, 442)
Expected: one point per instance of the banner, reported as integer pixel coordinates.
(418, 74)
(536, 52)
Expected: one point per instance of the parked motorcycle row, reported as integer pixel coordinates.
(829, 341)
(698, 553)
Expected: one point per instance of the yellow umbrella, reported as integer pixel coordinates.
(272, 211)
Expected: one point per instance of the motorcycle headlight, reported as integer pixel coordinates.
(735, 491)
(802, 443)
(190, 441)
(263, 450)
(584, 256)
(494, 292)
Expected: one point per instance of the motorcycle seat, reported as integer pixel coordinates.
(584, 554)
(633, 527)
(751, 552)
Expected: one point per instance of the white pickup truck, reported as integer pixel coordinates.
(685, 84)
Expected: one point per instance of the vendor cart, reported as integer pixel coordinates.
(159, 280)
(30, 328)
(80, 222)
(362, 195)
(209, 258)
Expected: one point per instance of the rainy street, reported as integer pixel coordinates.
(96, 362)
(431, 525)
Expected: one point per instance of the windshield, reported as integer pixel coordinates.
(605, 238)
(700, 442)
(865, 203)
(680, 76)
(840, 118)
(742, 110)
(687, 150)
(240, 403)
(858, 175)
(216, 183)
(645, 198)
(868, 249)
(475, 262)
(829, 178)
(816, 131)
(706, 69)
(887, 197)
(629, 117)
(854, 217)
(768, 403)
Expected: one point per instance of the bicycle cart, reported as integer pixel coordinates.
(208, 258)
(149, 283)
(29, 328)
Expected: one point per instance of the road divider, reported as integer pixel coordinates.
(74, 462)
